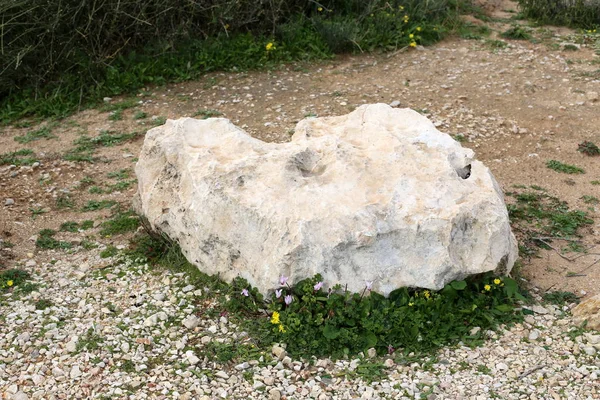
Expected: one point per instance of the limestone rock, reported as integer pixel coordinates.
(589, 310)
(378, 195)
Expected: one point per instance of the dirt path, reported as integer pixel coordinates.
(517, 103)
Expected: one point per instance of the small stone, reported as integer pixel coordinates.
(274, 394)
(372, 353)
(530, 320)
(534, 334)
(222, 374)
(37, 379)
(269, 381)
(501, 366)
(107, 99)
(389, 363)
(125, 347)
(191, 322)
(474, 331)
(242, 366)
(9, 202)
(20, 396)
(191, 357)
(188, 288)
(395, 103)
(75, 372)
(57, 372)
(257, 385)
(539, 309)
(589, 350)
(205, 339)
(213, 329)
(71, 345)
(151, 320)
(279, 352)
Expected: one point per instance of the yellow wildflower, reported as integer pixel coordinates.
(411, 36)
(270, 46)
(406, 18)
(497, 281)
(426, 292)
(401, 8)
(320, 9)
(226, 26)
(275, 318)
(418, 29)
(487, 287)
(413, 44)
(411, 304)
(281, 328)
(10, 283)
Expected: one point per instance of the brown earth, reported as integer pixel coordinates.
(517, 107)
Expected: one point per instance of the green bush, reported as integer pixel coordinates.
(131, 44)
(576, 13)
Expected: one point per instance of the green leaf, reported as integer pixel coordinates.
(511, 287)
(370, 339)
(458, 285)
(331, 332)
(504, 307)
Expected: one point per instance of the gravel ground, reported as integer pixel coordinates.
(117, 330)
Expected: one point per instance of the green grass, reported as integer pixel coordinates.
(564, 168)
(516, 32)
(18, 158)
(32, 136)
(64, 200)
(537, 214)
(119, 107)
(85, 146)
(120, 223)
(95, 205)
(12, 278)
(120, 175)
(42, 304)
(206, 113)
(140, 115)
(46, 241)
(72, 226)
(590, 199)
(588, 148)
(577, 14)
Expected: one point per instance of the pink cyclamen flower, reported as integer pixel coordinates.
(283, 280)
(278, 293)
(318, 286)
(245, 292)
(288, 299)
(369, 284)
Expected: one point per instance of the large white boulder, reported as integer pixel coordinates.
(376, 195)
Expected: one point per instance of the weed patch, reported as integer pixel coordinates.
(18, 158)
(516, 32)
(95, 205)
(13, 278)
(313, 320)
(580, 14)
(46, 241)
(120, 223)
(207, 114)
(536, 215)
(42, 133)
(560, 298)
(588, 148)
(564, 168)
(71, 226)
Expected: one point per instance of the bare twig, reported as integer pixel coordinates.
(531, 370)
(556, 250)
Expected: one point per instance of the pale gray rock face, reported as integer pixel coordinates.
(378, 195)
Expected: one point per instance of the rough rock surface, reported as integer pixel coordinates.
(588, 310)
(376, 195)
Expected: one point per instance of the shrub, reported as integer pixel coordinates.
(132, 43)
(575, 13)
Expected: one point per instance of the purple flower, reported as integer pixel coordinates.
(390, 349)
(318, 286)
(283, 280)
(288, 299)
(278, 293)
(245, 292)
(369, 284)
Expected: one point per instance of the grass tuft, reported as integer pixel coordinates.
(564, 168)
